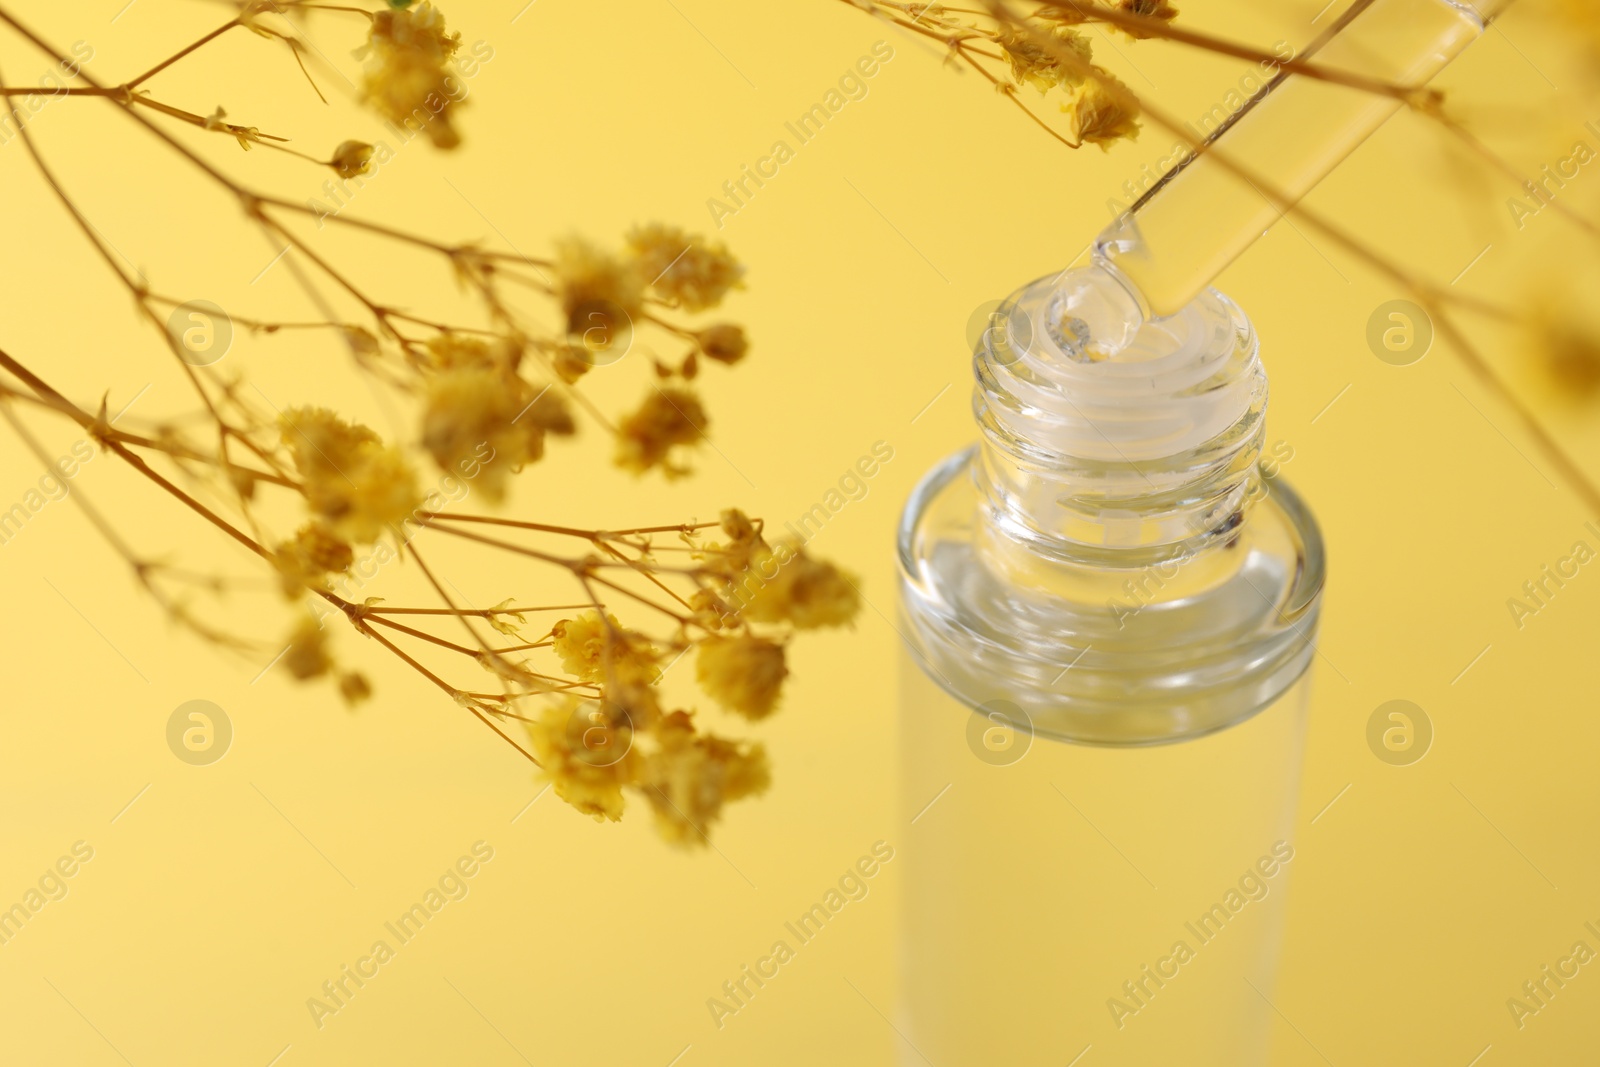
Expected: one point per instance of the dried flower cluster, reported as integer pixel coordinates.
(750, 598)
(325, 502)
(408, 54)
(353, 483)
(1045, 50)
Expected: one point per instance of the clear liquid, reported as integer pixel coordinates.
(1037, 886)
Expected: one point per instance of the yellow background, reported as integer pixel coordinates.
(223, 897)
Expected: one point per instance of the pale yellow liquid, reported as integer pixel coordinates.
(1034, 891)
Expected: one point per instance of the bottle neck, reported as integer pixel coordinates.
(1109, 440)
(1101, 561)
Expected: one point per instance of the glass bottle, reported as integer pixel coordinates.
(1106, 573)
(1110, 605)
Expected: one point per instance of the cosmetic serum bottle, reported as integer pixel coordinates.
(1110, 606)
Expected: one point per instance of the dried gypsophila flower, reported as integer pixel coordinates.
(597, 291)
(723, 342)
(669, 418)
(306, 655)
(684, 269)
(783, 583)
(1034, 64)
(480, 418)
(352, 159)
(489, 425)
(1160, 10)
(588, 643)
(409, 79)
(691, 776)
(354, 688)
(586, 758)
(1102, 111)
(570, 361)
(744, 673)
(353, 483)
(306, 560)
